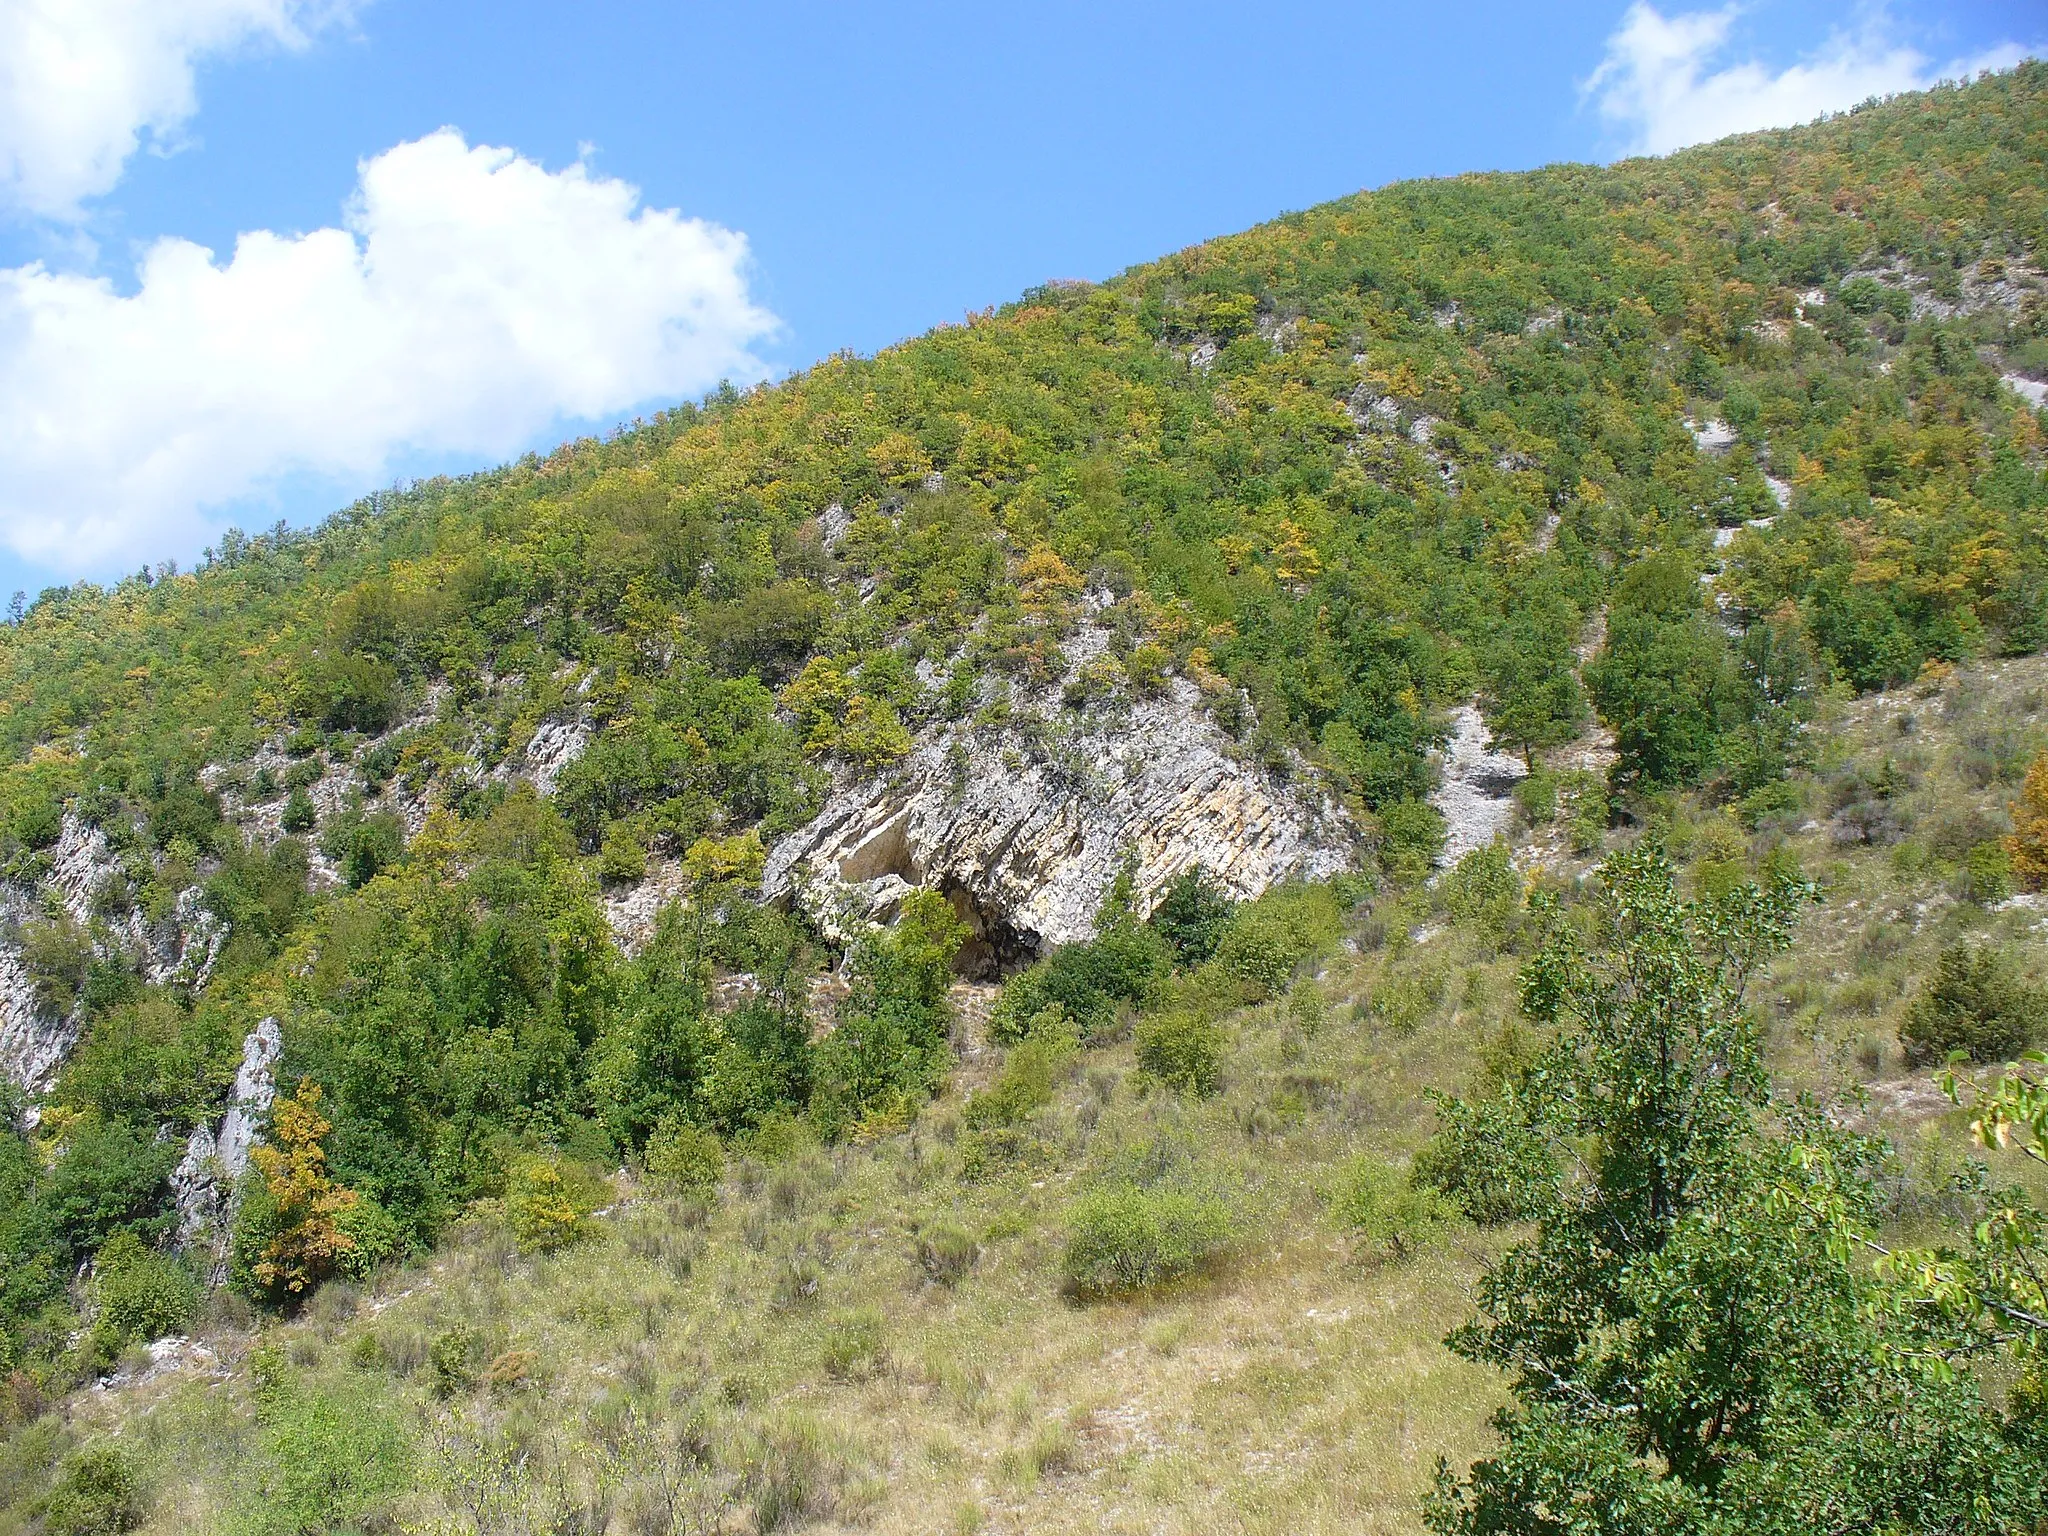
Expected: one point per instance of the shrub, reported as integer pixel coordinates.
(1123, 1238)
(1587, 810)
(1536, 797)
(1085, 982)
(141, 1294)
(372, 1235)
(792, 1472)
(548, 1204)
(681, 1157)
(1976, 1002)
(1385, 1206)
(1987, 873)
(1488, 1161)
(2027, 845)
(364, 845)
(298, 811)
(99, 1494)
(946, 1252)
(297, 1219)
(622, 858)
(1485, 888)
(854, 1348)
(1192, 916)
(1183, 1049)
(357, 693)
(1029, 1072)
(332, 1461)
(452, 1360)
(1268, 938)
(1411, 836)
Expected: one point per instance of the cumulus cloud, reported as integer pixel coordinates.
(82, 81)
(1660, 87)
(470, 299)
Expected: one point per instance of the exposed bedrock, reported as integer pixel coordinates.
(1025, 826)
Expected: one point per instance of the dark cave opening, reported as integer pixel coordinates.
(995, 948)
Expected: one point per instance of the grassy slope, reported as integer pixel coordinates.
(1300, 1386)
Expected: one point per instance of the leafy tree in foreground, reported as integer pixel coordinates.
(1696, 1338)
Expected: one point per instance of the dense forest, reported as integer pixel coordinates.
(1683, 450)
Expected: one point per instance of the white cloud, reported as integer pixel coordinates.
(472, 299)
(1658, 84)
(82, 80)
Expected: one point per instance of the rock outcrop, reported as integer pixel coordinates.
(1476, 794)
(1025, 826)
(206, 1180)
(179, 947)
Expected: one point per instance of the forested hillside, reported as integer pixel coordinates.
(454, 824)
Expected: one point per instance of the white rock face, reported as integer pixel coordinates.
(33, 1045)
(554, 747)
(180, 947)
(631, 910)
(1026, 838)
(204, 1182)
(1476, 797)
(2033, 391)
(1714, 437)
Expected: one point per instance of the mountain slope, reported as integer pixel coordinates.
(643, 804)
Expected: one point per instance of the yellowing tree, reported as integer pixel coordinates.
(307, 1243)
(1294, 558)
(2027, 845)
(900, 459)
(1047, 584)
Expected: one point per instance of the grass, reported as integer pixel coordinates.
(876, 1337)
(894, 1390)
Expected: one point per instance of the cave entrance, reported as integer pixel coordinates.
(994, 949)
(884, 851)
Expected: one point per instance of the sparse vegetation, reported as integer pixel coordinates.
(1333, 477)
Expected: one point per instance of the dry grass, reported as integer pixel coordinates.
(790, 1355)
(1296, 1388)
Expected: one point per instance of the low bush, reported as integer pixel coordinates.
(548, 1203)
(1268, 938)
(1386, 1207)
(1487, 1161)
(1192, 916)
(682, 1157)
(99, 1494)
(1987, 874)
(373, 1237)
(1411, 836)
(1976, 1002)
(1536, 797)
(298, 811)
(1183, 1049)
(1485, 888)
(855, 1348)
(1123, 1238)
(332, 1461)
(1026, 1081)
(947, 1252)
(1086, 982)
(141, 1294)
(364, 846)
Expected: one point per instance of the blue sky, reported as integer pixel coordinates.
(887, 166)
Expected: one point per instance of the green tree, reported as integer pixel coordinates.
(1691, 1342)
(1666, 680)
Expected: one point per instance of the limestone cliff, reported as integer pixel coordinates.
(180, 946)
(1025, 825)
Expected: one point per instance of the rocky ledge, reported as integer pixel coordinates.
(1025, 825)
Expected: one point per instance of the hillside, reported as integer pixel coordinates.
(1008, 935)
